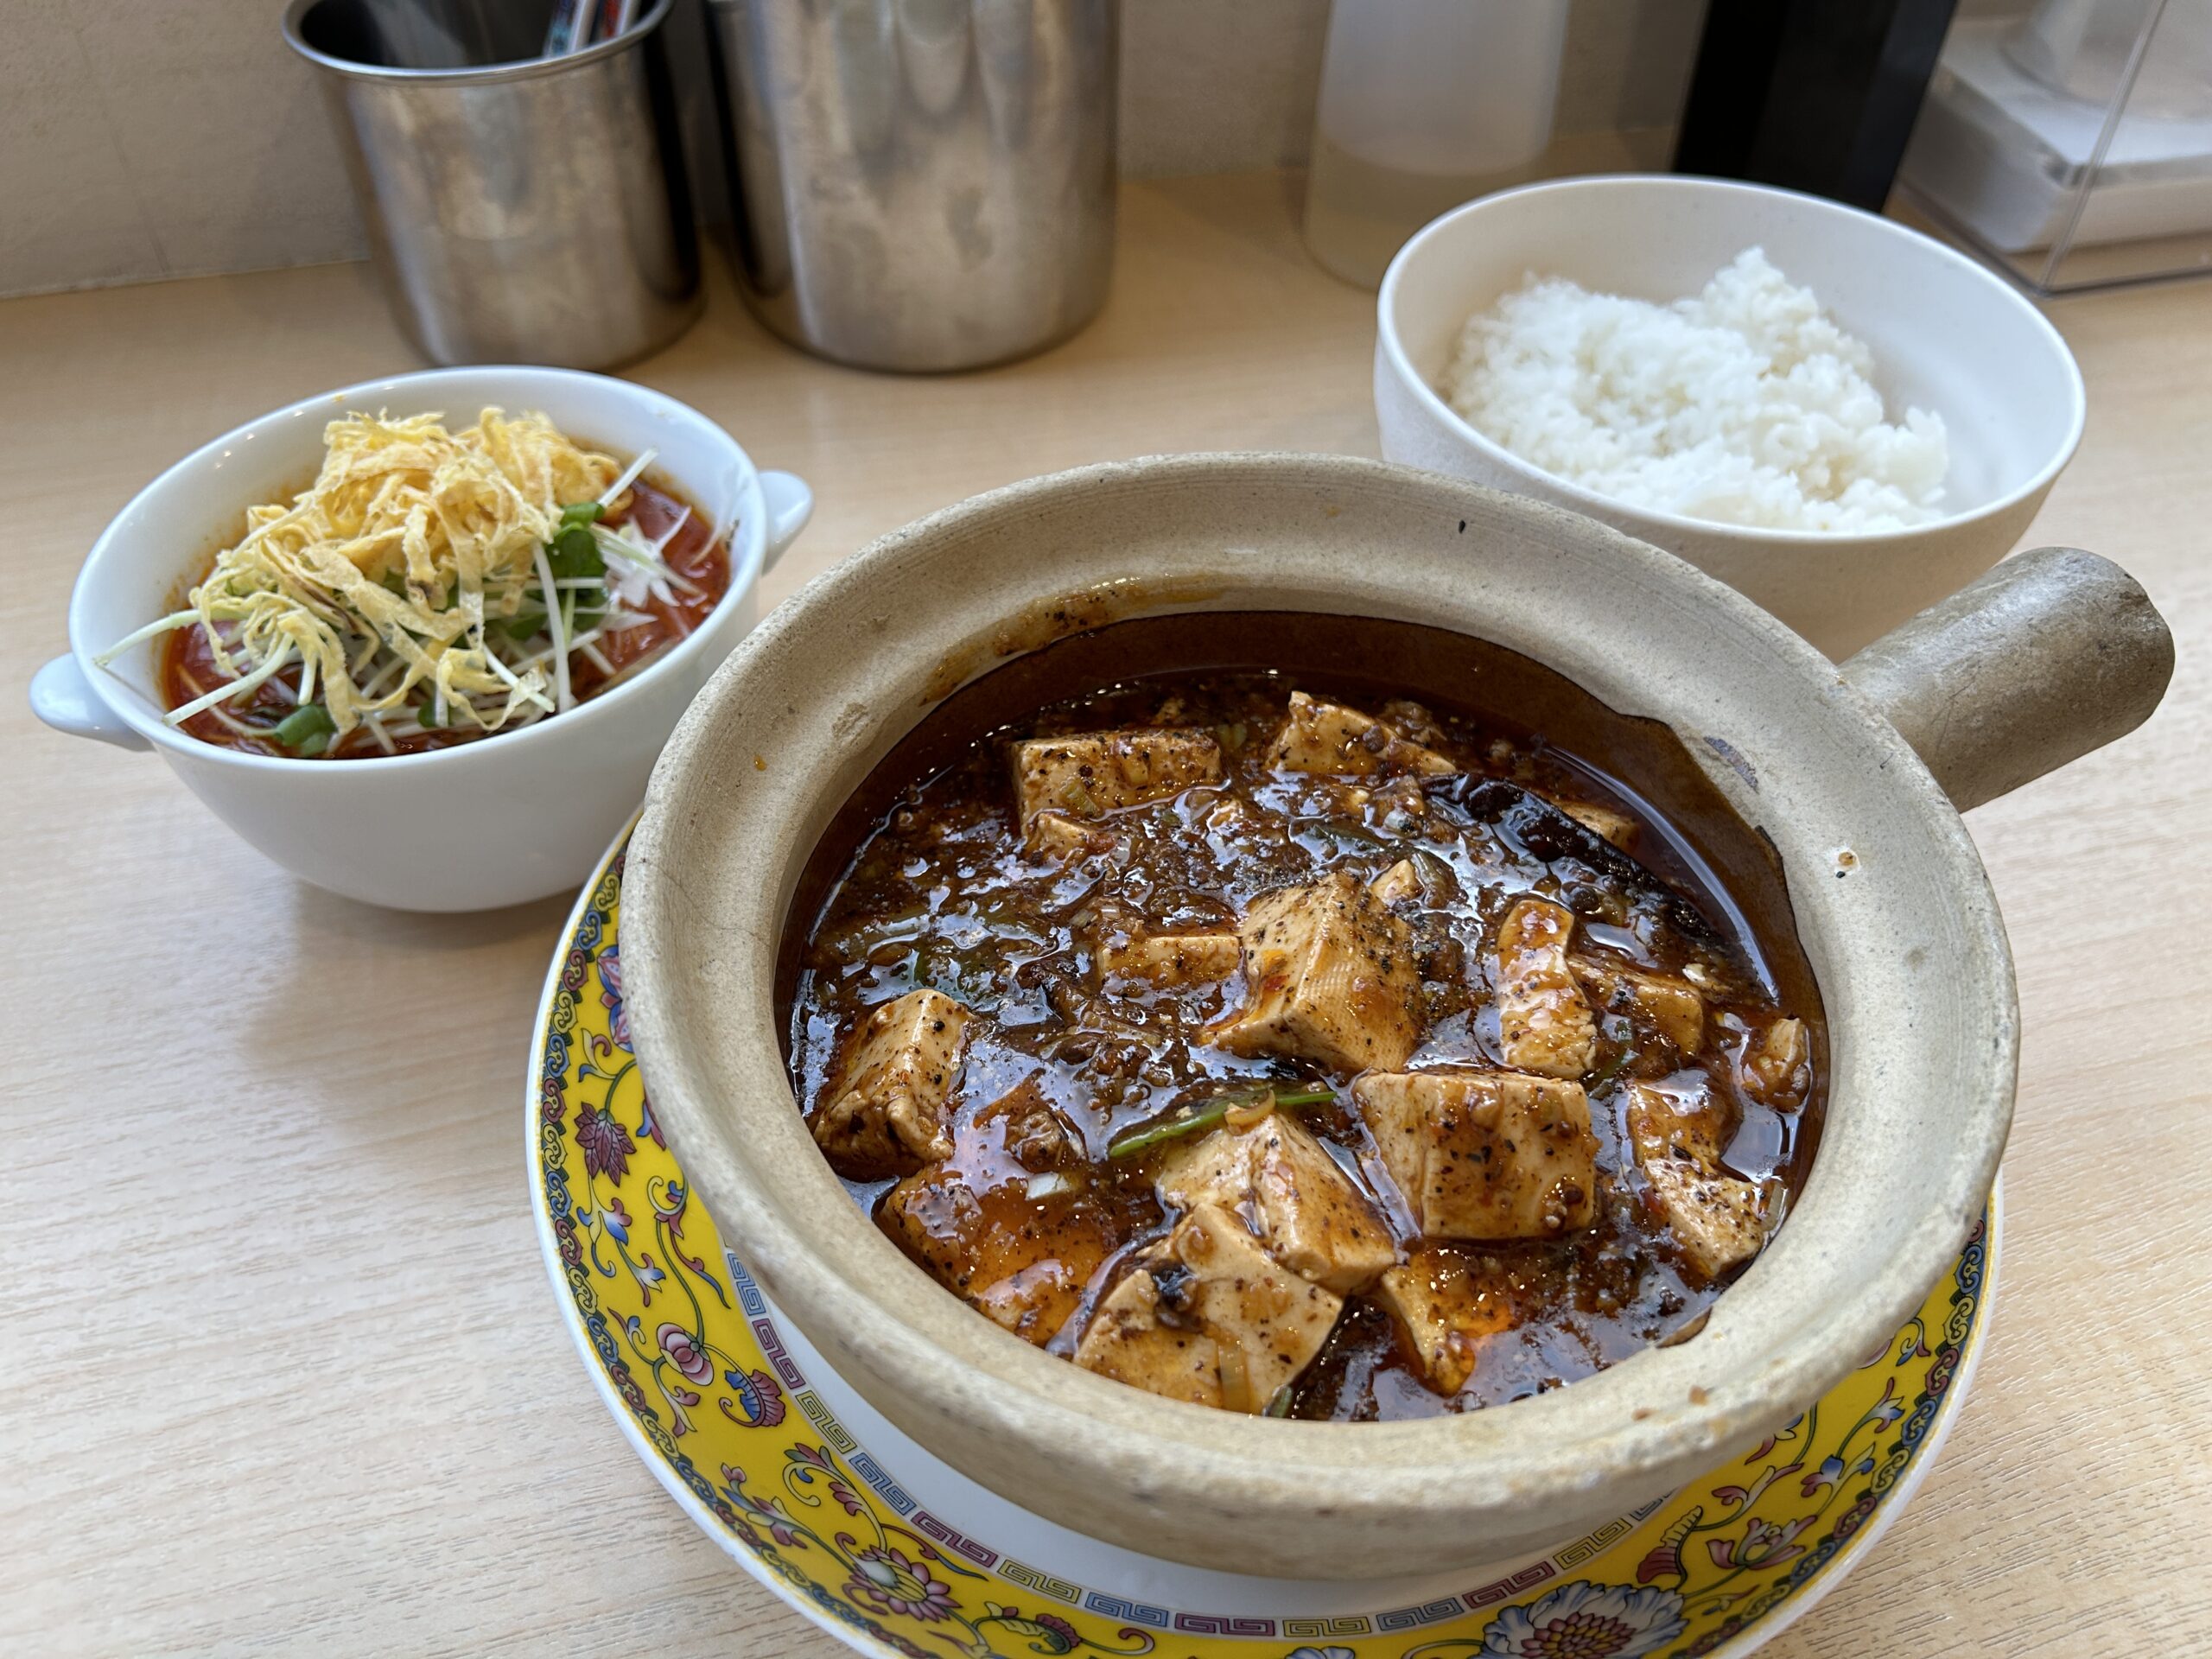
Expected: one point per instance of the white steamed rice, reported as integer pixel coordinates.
(1745, 404)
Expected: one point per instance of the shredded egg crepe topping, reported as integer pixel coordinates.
(395, 575)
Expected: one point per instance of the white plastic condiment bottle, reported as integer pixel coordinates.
(1424, 104)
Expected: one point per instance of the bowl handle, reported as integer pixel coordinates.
(60, 697)
(790, 503)
(2052, 654)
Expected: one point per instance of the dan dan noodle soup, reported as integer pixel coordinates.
(430, 588)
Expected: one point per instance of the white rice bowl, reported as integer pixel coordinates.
(1745, 404)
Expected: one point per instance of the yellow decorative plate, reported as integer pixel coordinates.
(831, 1506)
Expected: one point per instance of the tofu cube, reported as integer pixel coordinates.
(1034, 1301)
(1777, 1066)
(1000, 1222)
(1327, 737)
(1084, 776)
(1209, 1317)
(1484, 1154)
(886, 1104)
(1166, 960)
(1030, 1130)
(1135, 1336)
(1397, 885)
(1603, 822)
(1662, 1127)
(1329, 976)
(1716, 1219)
(1446, 1308)
(1056, 838)
(1424, 879)
(1306, 1211)
(1543, 1024)
(1671, 1006)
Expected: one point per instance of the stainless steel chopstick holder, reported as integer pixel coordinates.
(920, 184)
(533, 211)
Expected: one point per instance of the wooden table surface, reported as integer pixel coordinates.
(282, 1371)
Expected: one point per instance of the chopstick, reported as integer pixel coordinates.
(587, 22)
(578, 23)
(570, 28)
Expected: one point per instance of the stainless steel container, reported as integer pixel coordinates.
(920, 184)
(525, 211)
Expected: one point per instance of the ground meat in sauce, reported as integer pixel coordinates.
(1067, 1048)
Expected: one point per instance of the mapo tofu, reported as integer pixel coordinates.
(1285, 1049)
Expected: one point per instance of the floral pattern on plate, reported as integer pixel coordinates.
(687, 1344)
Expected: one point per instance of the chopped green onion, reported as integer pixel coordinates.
(307, 729)
(524, 625)
(151, 631)
(427, 719)
(582, 513)
(1073, 794)
(1279, 1405)
(630, 475)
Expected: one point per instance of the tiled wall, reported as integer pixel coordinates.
(141, 139)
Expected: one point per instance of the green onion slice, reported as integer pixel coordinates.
(1197, 1116)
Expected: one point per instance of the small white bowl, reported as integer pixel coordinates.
(1947, 336)
(497, 822)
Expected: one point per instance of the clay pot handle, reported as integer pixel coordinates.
(2052, 654)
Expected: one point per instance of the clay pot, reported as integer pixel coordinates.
(1799, 783)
